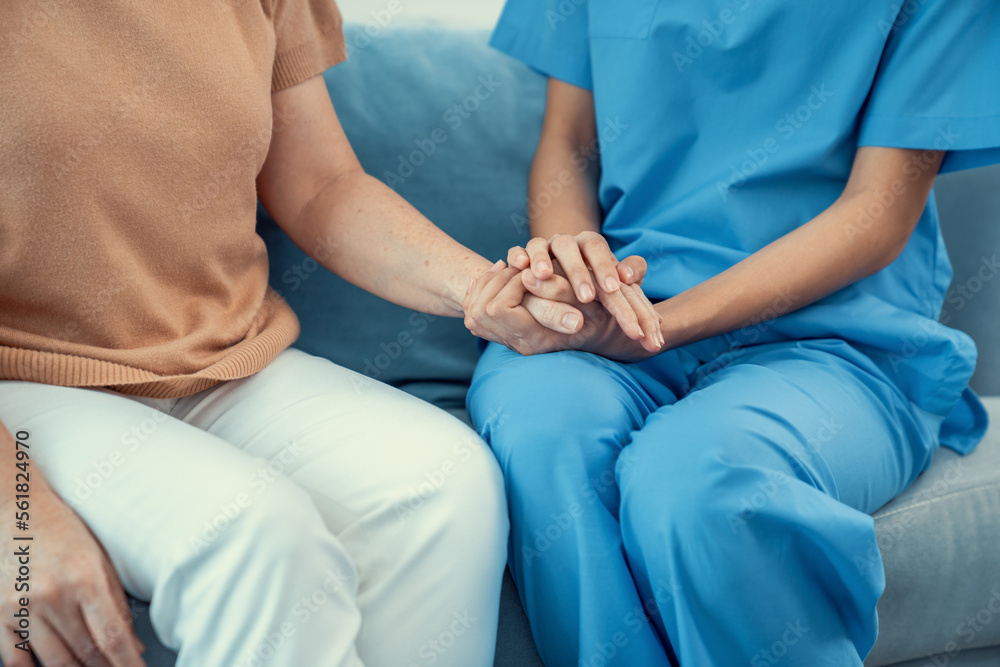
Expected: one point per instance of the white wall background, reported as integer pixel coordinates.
(459, 13)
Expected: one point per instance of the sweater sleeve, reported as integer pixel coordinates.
(309, 38)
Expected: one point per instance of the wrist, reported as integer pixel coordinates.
(677, 331)
(456, 289)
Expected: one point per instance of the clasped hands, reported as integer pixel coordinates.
(566, 293)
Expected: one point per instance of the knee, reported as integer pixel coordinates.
(272, 530)
(692, 493)
(544, 413)
(458, 496)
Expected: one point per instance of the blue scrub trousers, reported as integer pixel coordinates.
(706, 510)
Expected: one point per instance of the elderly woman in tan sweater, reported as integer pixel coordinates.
(161, 435)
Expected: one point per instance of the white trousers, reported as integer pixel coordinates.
(305, 516)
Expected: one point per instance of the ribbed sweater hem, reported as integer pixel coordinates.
(72, 371)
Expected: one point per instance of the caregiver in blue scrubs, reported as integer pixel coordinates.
(772, 161)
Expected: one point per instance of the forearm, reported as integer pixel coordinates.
(562, 189)
(363, 231)
(837, 248)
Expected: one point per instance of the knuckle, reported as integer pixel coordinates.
(492, 309)
(562, 241)
(89, 652)
(114, 638)
(47, 594)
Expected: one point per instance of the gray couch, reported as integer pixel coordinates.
(452, 125)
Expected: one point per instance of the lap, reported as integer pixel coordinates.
(816, 410)
(351, 441)
(148, 485)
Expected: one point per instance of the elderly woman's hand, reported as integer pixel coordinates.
(500, 308)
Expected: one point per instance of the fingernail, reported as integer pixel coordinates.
(629, 273)
(586, 293)
(530, 280)
(472, 283)
(611, 284)
(497, 266)
(521, 259)
(543, 266)
(570, 321)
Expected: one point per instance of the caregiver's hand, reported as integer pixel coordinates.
(78, 612)
(586, 259)
(499, 308)
(603, 332)
(579, 255)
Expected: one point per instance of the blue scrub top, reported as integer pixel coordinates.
(725, 124)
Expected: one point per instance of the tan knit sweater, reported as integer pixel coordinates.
(131, 133)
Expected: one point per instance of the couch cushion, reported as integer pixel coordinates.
(451, 125)
(969, 203)
(939, 544)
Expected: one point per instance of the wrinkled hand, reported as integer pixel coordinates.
(586, 260)
(78, 611)
(500, 308)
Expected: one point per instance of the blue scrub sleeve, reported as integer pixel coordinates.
(552, 36)
(938, 84)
